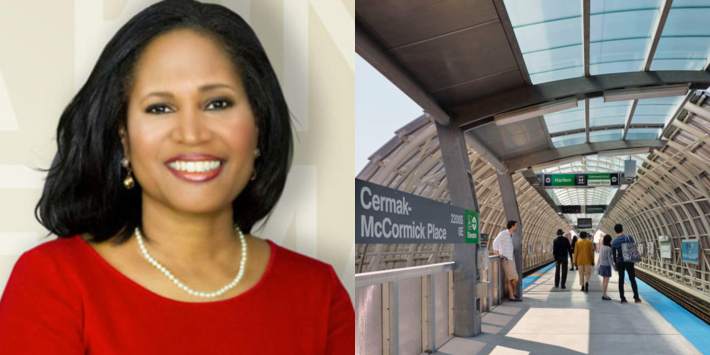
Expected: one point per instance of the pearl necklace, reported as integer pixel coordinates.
(184, 287)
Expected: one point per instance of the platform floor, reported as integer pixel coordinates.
(555, 321)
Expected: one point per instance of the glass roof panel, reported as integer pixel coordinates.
(656, 111)
(549, 34)
(620, 33)
(570, 139)
(685, 41)
(605, 135)
(567, 120)
(603, 114)
(643, 133)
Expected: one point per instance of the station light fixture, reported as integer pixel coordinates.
(616, 153)
(645, 93)
(535, 111)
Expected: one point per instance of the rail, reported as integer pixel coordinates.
(427, 293)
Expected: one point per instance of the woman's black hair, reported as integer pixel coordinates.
(83, 192)
(607, 240)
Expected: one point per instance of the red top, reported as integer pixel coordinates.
(64, 298)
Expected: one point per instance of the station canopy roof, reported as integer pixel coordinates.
(629, 68)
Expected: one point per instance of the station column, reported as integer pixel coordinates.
(512, 213)
(463, 194)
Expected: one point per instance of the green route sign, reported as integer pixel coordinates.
(472, 226)
(559, 180)
(580, 180)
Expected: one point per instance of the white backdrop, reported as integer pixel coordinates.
(48, 48)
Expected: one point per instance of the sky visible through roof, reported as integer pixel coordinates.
(381, 109)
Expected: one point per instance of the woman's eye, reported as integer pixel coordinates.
(158, 109)
(219, 104)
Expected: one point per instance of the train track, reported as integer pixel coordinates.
(698, 307)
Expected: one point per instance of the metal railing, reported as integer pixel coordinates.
(388, 286)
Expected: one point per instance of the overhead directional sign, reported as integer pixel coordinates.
(580, 180)
(609, 179)
(595, 209)
(584, 223)
(571, 209)
(384, 215)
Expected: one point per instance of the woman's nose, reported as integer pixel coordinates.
(190, 127)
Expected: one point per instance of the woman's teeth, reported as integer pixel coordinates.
(195, 166)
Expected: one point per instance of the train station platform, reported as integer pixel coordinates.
(555, 321)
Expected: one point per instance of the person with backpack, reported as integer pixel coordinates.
(625, 255)
(584, 259)
(560, 249)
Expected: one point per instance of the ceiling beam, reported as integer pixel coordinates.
(370, 50)
(628, 119)
(604, 128)
(510, 34)
(485, 153)
(657, 31)
(655, 38)
(545, 131)
(586, 120)
(582, 88)
(547, 156)
(530, 176)
(586, 17)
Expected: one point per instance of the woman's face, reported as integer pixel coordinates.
(191, 134)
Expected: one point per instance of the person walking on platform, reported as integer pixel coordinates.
(623, 266)
(560, 250)
(584, 259)
(606, 260)
(574, 241)
(503, 245)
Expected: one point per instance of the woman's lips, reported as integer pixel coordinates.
(196, 176)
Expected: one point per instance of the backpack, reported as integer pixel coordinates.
(629, 251)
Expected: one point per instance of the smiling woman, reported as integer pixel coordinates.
(178, 143)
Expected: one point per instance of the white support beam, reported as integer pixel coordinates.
(586, 120)
(657, 31)
(628, 119)
(585, 23)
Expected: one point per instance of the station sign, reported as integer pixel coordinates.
(571, 209)
(689, 249)
(389, 216)
(584, 223)
(484, 240)
(580, 180)
(665, 247)
(595, 209)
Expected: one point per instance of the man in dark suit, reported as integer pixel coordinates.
(560, 249)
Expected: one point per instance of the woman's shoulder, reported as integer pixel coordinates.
(299, 266)
(295, 259)
(57, 250)
(51, 265)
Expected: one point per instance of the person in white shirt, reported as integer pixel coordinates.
(503, 245)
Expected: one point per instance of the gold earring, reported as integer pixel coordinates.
(257, 153)
(128, 182)
(253, 175)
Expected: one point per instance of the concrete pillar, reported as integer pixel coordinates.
(512, 213)
(463, 194)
